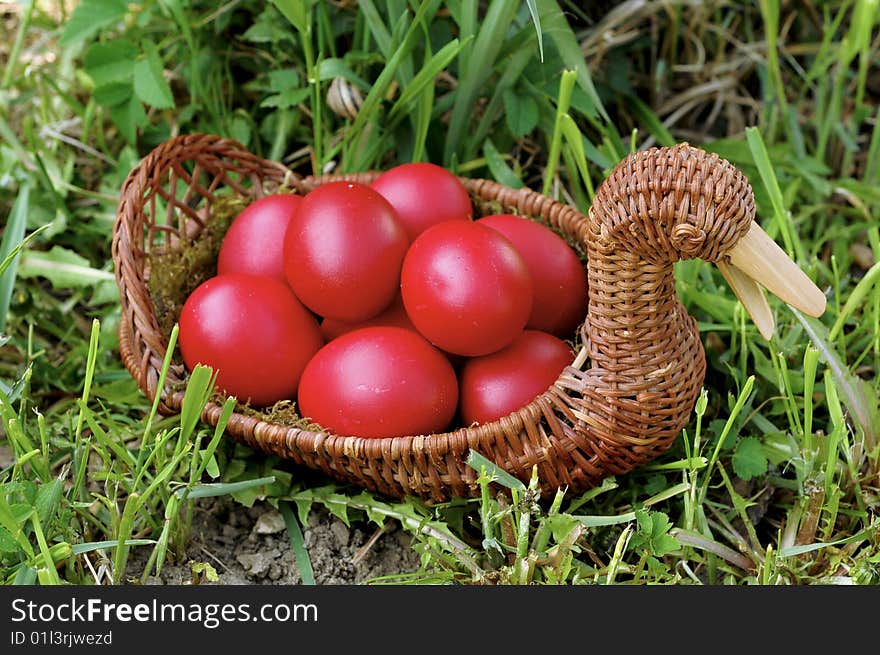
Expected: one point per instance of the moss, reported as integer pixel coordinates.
(281, 413)
(176, 272)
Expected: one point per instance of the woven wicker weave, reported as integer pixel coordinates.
(622, 401)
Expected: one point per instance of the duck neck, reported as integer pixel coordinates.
(637, 325)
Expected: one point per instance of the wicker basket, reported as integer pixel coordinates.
(623, 400)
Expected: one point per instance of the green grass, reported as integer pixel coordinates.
(774, 481)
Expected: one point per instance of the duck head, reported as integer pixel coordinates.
(663, 205)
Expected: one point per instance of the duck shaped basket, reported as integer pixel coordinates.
(622, 401)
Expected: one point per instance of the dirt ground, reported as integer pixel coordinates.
(251, 546)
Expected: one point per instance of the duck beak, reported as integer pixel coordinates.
(757, 261)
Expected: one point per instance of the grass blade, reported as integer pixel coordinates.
(211, 489)
(566, 88)
(88, 547)
(486, 47)
(536, 19)
(10, 248)
(298, 544)
(560, 32)
(858, 396)
(407, 100)
(856, 297)
(781, 215)
(791, 551)
(480, 464)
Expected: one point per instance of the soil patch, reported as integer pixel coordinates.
(250, 545)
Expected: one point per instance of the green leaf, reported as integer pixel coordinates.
(479, 463)
(800, 549)
(665, 544)
(502, 173)
(203, 568)
(335, 67)
(297, 544)
(296, 11)
(115, 94)
(110, 62)
(283, 79)
(286, 99)
(149, 83)
(555, 24)
(536, 18)
(128, 117)
(268, 28)
(472, 81)
(210, 464)
(198, 389)
(7, 541)
(10, 247)
(48, 497)
(749, 460)
(62, 267)
(90, 17)
(858, 395)
(25, 575)
(212, 489)
(520, 112)
(88, 547)
(645, 521)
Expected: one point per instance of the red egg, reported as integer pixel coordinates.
(495, 385)
(254, 242)
(253, 332)
(343, 250)
(379, 382)
(466, 288)
(560, 281)
(395, 316)
(423, 195)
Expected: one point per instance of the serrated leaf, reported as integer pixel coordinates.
(664, 544)
(62, 267)
(112, 61)
(520, 113)
(749, 460)
(150, 84)
(660, 525)
(91, 16)
(646, 523)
